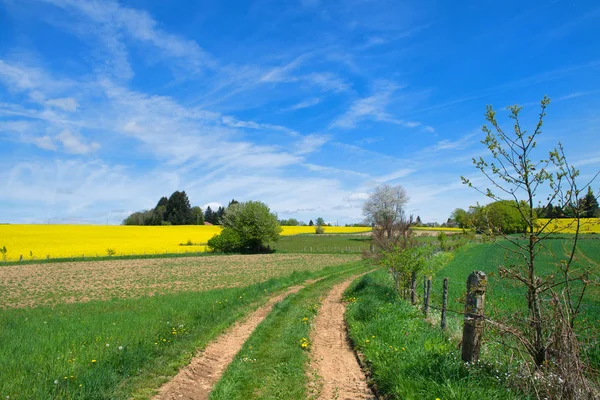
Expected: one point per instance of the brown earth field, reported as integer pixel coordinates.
(70, 282)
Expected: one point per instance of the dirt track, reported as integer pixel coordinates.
(195, 381)
(331, 354)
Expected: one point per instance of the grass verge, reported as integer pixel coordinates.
(123, 348)
(272, 363)
(408, 358)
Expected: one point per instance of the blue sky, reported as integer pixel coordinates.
(306, 105)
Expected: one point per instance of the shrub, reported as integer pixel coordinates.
(319, 230)
(228, 241)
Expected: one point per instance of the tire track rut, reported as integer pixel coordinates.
(332, 356)
(197, 379)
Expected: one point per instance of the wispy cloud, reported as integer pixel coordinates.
(373, 108)
(303, 104)
(110, 22)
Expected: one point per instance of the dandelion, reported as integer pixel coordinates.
(56, 381)
(120, 347)
(93, 361)
(107, 345)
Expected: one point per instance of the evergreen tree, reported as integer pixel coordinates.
(208, 215)
(311, 223)
(232, 202)
(589, 204)
(179, 211)
(219, 215)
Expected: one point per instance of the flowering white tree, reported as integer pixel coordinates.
(385, 207)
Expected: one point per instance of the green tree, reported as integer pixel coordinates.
(545, 327)
(209, 215)
(179, 211)
(502, 217)
(254, 224)
(219, 215)
(589, 204)
(320, 221)
(228, 241)
(461, 217)
(311, 223)
(197, 215)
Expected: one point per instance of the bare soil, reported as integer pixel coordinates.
(195, 381)
(31, 285)
(332, 357)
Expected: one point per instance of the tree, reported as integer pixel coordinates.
(461, 217)
(310, 223)
(418, 222)
(253, 223)
(320, 221)
(197, 215)
(385, 207)
(546, 329)
(232, 202)
(502, 216)
(209, 215)
(179, 211)
(220, 214)
(589, 204)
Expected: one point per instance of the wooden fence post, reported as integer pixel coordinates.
(413, 288)
(474, 322)
(424, 289)
(444, 303)
(427, 294)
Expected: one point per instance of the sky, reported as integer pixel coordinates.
(306, 105)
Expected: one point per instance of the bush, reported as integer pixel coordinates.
(248, 227)
(319, 230)
(228, 241)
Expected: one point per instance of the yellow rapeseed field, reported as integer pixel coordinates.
(63, 241)
(568, 225)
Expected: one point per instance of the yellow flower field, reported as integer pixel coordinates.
(63, 241)
(568, 225)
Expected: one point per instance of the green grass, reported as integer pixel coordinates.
(408, 358)
(339, 243)
(48, 353)
(272, 363)
(505, 296)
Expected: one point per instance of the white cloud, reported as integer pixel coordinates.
(44, 142)
(303, 104)
(371, 107)
(401, 173)
(66, 103)
(311, 143)
(110, 23)
(358, 197)
(74, 143)
(213, 206)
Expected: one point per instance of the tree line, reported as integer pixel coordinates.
(177, 210)
(507, 215)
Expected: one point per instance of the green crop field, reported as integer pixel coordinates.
(340, 243)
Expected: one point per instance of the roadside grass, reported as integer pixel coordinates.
(409, 358)
(121, 348)
(272, 363)
(327, 243)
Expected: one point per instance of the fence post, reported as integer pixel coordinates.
(444, 303)
(427, 293)
(413, 288)
(424, 289)
(474, 322)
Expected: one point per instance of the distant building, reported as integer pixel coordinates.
(207, 223)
